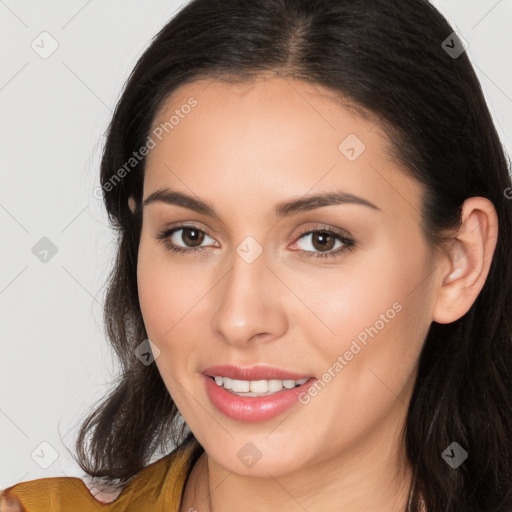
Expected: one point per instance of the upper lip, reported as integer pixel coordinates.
(260, 372)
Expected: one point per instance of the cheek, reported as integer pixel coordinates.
(166, 300)
(166, 291)
(375, 312)
(154, 296)
(382, 337)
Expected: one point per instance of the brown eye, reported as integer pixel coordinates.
(192, 236)
(323, 243)
(189, 240)
(322, 240)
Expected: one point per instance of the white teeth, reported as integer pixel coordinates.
(288, 384)
(257, 387)
(240, 386)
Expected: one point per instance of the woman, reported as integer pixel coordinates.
(312, 294)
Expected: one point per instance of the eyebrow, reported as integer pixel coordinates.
(284, 209)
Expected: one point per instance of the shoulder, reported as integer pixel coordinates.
(42, 494)
(163, 479)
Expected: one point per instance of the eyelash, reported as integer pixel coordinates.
(348, 244)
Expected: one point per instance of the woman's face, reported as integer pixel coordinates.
(338, 292)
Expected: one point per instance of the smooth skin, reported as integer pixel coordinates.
(245, 148)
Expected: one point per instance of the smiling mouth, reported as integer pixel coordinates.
(254, 388)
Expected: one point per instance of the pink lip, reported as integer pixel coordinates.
(261, 372)
(253, 409)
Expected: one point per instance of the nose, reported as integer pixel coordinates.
(248, 303)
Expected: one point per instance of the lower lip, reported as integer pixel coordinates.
(253, 409)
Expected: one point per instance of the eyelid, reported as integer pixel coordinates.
(347, 240)
(312, 229)
(344, 236)
(168, 231)
(324, 227)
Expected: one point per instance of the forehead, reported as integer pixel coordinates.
(275, 135)
(270, 101)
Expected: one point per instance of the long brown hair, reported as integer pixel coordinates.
(389, 60)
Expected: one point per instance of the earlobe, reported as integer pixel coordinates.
(469, 261)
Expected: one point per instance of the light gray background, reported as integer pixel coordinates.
(55, 361)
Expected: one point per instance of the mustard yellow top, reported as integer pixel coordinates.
(157, 487)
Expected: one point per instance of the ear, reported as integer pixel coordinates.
(131, 203)
(469, 261)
